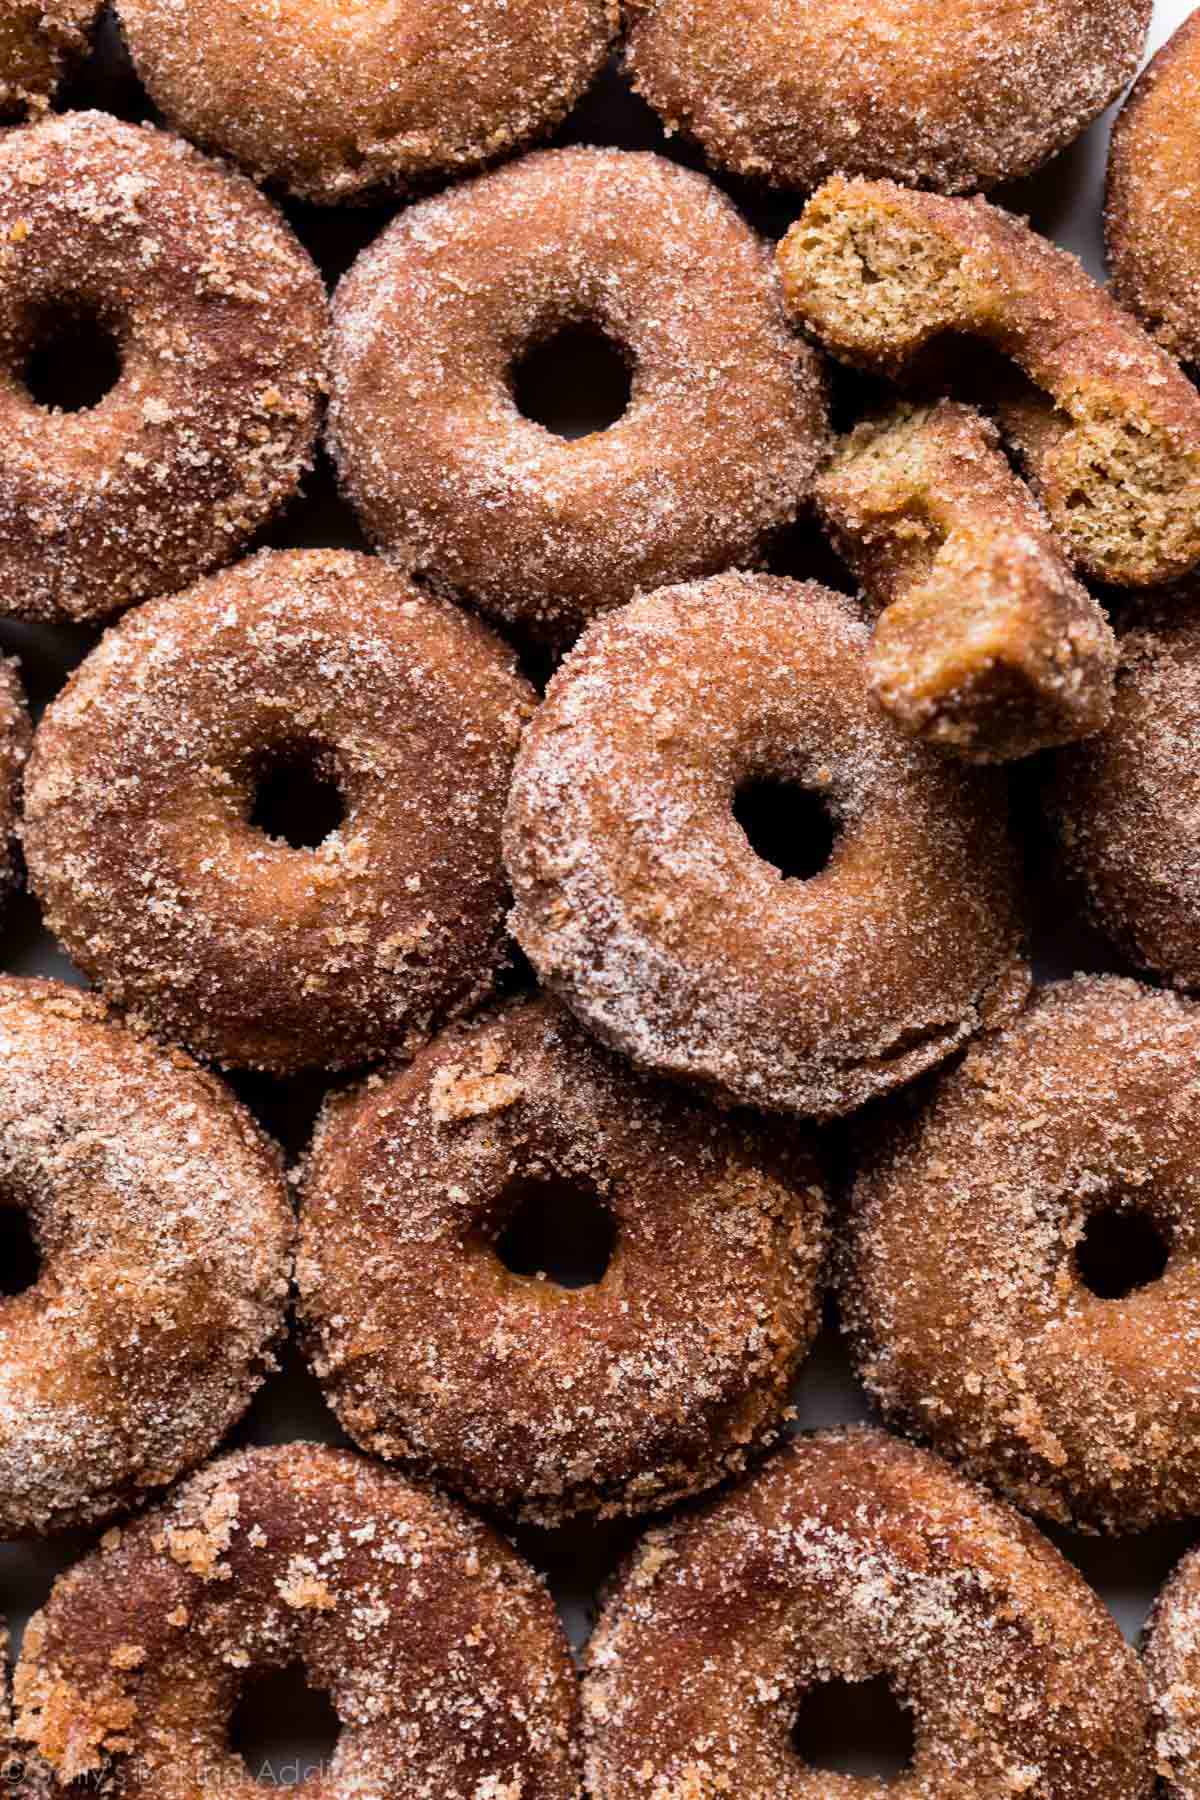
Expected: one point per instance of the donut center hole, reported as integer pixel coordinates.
(296, 800)
(284, 1730)
(75, 361)
(787, 826)
(20, 1263)
(855, 1728)
(557, 1231)
(573, 384)
(1120, 1251)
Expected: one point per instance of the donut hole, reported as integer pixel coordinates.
(297, 800)
(787, 826)
(1122, 1249)
(557, 1231)
(74, 361)
(20, 1263)
(574, 383)
(284, 1730)
(855, 1728)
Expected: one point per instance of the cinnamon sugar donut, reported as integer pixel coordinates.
(337, 100)
(218, 318)
(437, 1646)
(1172, 1655)
(670, 1372)
(934, 93)
(962, 1287)
(139, 827)
(15, 736)
(641, 902)
(162, 1220)
(721, 437)
(40, 40)
(852, 1556)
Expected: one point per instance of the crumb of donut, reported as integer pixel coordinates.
(40, 40)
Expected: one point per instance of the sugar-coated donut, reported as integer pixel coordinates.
(641, 902)
(15, 737)
(986, 643)
(219, 319)
(983, 1336)
(852, 1556)
(667, 1374)
(40, 40)
(1171, 1649)
(724, 428)
(934, 93)
(437, 1646)
(1153, 214)
(139, 832)
(1107, 424)
(162, 1220)
(335, 102)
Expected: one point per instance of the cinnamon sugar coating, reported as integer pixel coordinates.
(986, 644)
(1126, 805)
(40, 40)
(852, 1556)
(162, 1220)
(934, 93)
(341, 100)
(138, 825)
(725, 425)
(968, 1313)
(1107, 424)
(668, 1374)
(642, 904)
(1171, 1650)
(219, 318)
(1153, 212)
(437, 1645)
(15, 737)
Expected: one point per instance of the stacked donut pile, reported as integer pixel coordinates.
(719, 945)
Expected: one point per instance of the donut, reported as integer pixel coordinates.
(930, 92)
(726, 419)
(1106, 423)
(356, 99)
(1171, 1650)
(1125, 807)
(164, 1230)
(852, 1556)
(141, 838)
(437, 1646)
(533, 1399)
(40, 41)
(642, 902)
(217, 318)
(985, 642)
(987, 1339)
(1152, 218)
(15, 737)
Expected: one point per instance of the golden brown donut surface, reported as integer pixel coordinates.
(338, 99)
(1171, 1650)
(1107, 424)
(139, 835)
(1153, 212)
(717, 447)
(933, 93)
(219, 319)
(437, 1646)
(162, 1221)
(538, 1400)
(848, 1557)
(962, 1289)
(641, 902)
(39, 42)
(986, 643)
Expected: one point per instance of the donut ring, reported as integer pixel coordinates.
(725, 425)
(986, 1340)
(15, 737)
(361, 97)
(1171, 1650)
(530, 1398)
(437, 1645)
(1152, 218)
(220, 320)
(40, 40)
(1126, 806)
(142, 782)
(641, 902)
(1107, 424)
(848, 1557)
(163, 1222)
(986, 644)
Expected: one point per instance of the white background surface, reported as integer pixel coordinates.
(1064, 201)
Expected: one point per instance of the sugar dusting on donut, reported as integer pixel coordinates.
(39, 42)
(1171, 1648)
